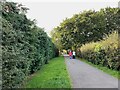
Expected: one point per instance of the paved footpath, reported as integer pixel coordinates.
(85, 76)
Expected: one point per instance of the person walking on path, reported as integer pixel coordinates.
(70, 54)
(73, 54)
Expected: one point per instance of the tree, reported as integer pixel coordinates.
(85, 27)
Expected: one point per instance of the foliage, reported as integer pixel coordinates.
(53, 75)
(97, 48)
(104, 52)
(25, 47)
(86, 27)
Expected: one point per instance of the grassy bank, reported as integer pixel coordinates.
(113, 73)
(52, 75)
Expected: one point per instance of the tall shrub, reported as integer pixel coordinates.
(25, 47)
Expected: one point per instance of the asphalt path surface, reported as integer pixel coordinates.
(86, 76)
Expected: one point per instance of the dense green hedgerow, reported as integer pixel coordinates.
(104, 52)
(25, 47)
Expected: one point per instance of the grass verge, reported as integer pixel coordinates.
(52, 75)
(113, 73)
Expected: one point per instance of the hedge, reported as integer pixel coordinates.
(104, 52)
(25, 47)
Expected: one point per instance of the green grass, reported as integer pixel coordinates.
(52, 75)
(113, 73)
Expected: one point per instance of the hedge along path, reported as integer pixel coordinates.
(25, 46)
(86, 76)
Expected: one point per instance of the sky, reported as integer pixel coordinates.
(50, 13)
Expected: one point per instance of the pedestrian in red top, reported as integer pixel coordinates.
(70, 54)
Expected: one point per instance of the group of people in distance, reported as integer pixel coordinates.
(72, 54)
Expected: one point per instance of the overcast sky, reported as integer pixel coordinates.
(49, 13)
